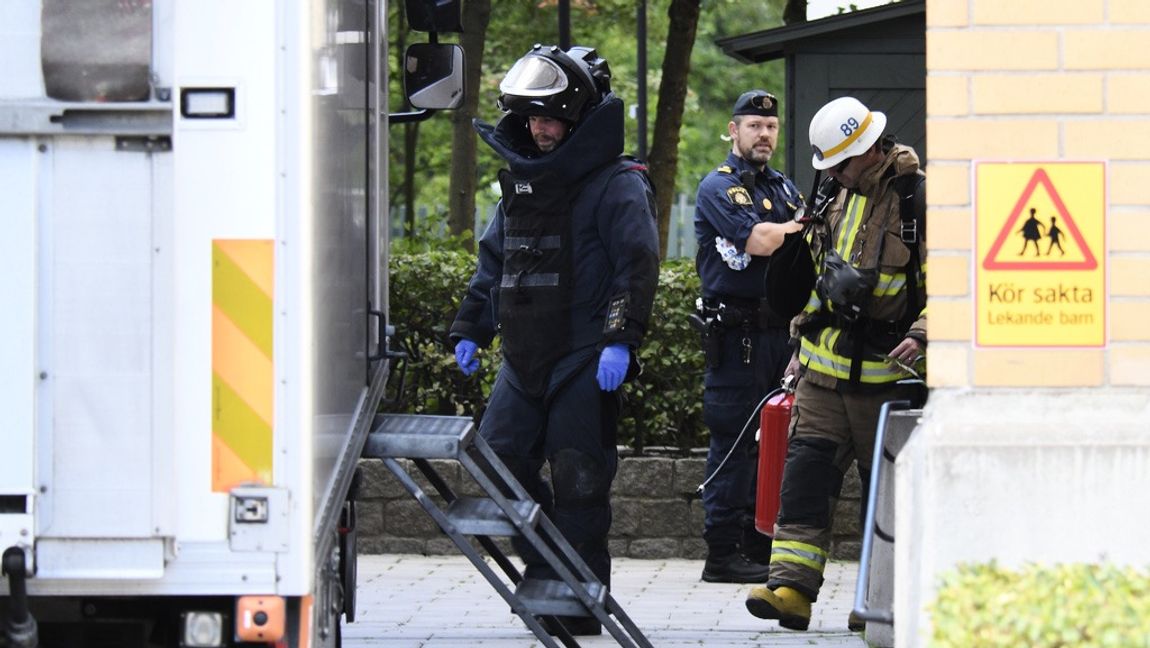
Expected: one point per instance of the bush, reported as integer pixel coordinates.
(424, 292)
(1052, 606)
(662, 407)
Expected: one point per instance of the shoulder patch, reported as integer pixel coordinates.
(739, 196)
(725, 169)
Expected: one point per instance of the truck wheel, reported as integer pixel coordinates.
(348, 555)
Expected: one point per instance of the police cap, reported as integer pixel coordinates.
(756, 102)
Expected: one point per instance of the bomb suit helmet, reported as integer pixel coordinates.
(550, 82)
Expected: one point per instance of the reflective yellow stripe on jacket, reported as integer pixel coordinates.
(821, 358)
(824, 354)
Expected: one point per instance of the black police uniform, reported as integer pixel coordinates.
(573, 238)
(751, 351)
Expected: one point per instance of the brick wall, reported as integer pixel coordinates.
(1038, 80)
(655, 513)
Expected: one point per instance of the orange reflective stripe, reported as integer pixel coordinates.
(850, 138)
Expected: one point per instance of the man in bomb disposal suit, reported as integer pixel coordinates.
(862, 335)
(743, 210)
(567, 274)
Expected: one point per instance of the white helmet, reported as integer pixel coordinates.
(844, 128)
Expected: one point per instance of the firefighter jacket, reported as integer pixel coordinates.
(865, 228)
(571, 258)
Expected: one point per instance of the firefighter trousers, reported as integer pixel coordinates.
(573, 428)
(829, 430)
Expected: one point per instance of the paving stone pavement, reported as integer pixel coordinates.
(409, 601)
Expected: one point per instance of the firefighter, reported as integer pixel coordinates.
(566, 275)
(861, 333)
(743, 210)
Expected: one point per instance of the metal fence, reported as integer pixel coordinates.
(680, 238)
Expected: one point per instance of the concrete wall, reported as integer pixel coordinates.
(655, 514)
(1030, 454)
(1021, 477)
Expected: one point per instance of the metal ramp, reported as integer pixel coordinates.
(506, 511)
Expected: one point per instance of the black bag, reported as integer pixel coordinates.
(790, 277)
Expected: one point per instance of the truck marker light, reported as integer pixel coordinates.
(202, 629)
(208, 103)
(260, 618)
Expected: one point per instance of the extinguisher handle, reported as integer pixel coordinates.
(788, 383)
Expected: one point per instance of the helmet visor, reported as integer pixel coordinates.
(534, 76)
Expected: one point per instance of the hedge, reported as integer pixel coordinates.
(1059, 606)
(662, 407)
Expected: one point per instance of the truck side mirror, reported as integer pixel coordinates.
(433, 75)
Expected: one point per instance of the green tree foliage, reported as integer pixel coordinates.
(427, 279)
(717, 80)
(1057, 606)
(609, 25)
(662, 407)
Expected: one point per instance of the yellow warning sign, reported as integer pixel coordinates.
(1040, 237)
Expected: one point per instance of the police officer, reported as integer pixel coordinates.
(566, 275)
(742, 212)
(862, 335)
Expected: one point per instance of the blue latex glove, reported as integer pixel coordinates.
(613, 361)
(465, 356)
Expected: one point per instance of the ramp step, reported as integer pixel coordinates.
(415, 436)
(555, 597)
(482, 516)
(507, 510)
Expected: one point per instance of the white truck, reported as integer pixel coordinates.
(194, 296)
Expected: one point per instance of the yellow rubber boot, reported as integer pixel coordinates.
(791, 607)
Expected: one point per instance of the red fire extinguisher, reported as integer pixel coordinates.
(774, 421)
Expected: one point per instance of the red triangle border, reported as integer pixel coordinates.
(991, 262)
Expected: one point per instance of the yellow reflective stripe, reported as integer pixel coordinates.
(850, 224)
(814, 303)
(236, 425)
(815, 551)
(889, 284)
(243, 362)
(797, 559)
(820, 357)
(835, 150)
(829, 337)
(240, 294)
(836, 366)
(819, 567)
(800, 553)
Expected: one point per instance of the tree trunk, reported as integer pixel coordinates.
(795, 12)
(461, 217)
(664, 159)
(410, 146)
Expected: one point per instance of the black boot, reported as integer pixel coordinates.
(733, 567)
(756, 546)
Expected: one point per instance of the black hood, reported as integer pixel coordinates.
(595, 140)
